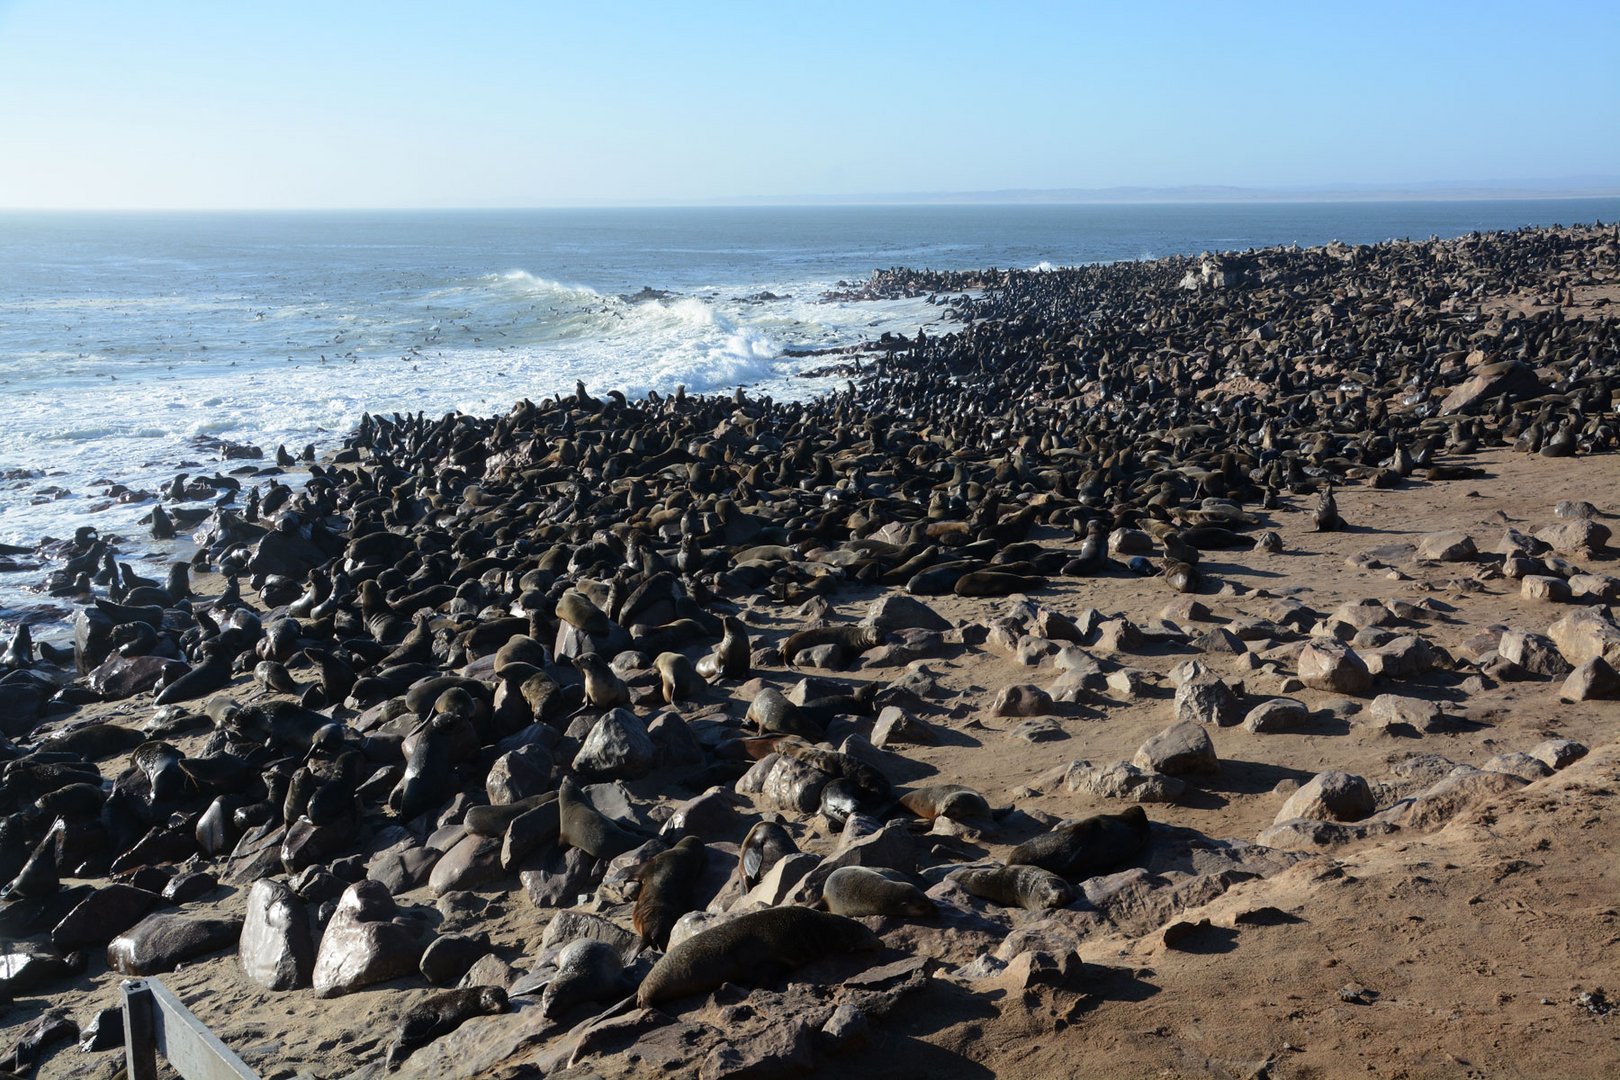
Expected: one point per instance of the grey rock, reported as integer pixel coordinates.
(1207, 701)
(1276, 714)
(1180, 750)
(276, 949)
(1330, 796)
(618, 747)
(362, 945)
(1332, 665)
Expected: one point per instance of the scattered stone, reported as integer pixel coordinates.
(1207, 701)
(1331, 665)
(1594, 680)
(1180, 750)
(1330, 796)
(1453, 545)
(1276, 714)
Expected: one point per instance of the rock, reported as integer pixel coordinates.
(1594, 588)
(896, 726)
(1121, 780)
(784, 1048)
(562, 878)
(449, 956)
(1509, 379)
(1119, 634)
(1453, 545)
(897, 611)
(1525, 766)
(361, 945)
(1364, 613)
(1330, 796)
(1022, 700)
(1558, 753)
(1542, 587)
(1332, 665)
(1594, 680)
(1038, 731)
(846, 1029)
(1276, 714)
(120, 677)
(472, 861)
(779, 881)
(1437, 804)
(1304, 834)
(1207, 701)
(488, 970)
(793, 785)
(571, 926)
(519, 774)
(162, 942)
(1534, 653)
(713, 813)
(1584, 634)
(276, 949)
(1219, 641)
(1576, 537)
(1425, 716)
(617, 748)
(1179, 750)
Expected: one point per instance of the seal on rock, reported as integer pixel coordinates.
(438, 1015)
(1027, 887)
(859, 890)
(750, 949)
(668, 880)
(1086, 847)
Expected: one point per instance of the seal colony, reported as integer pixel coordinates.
(625, 721)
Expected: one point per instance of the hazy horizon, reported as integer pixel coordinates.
(184, 105)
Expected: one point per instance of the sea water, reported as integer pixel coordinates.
(125, 338)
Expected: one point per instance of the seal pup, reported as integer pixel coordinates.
(437, 1015)
(1027, 887)
(731, 658)
(1326, 513)
(587, 971)
(603, 687)
(857, 891)
(766, 844)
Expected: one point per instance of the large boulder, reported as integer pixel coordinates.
(276, 949)
(1329, 796)
(1326, 664)
(617, 748)
(1510, 379)
(1584, 634)
(362, 945)
(1179, 750)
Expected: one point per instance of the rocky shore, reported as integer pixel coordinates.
(1189, 667)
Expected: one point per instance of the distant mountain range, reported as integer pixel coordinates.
(1443, 190)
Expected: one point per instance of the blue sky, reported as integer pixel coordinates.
(362, 104)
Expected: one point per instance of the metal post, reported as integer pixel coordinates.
(155, 1021)
(140, 1035)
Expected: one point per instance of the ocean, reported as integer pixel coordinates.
(129, 339)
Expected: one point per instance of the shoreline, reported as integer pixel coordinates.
(935, 574)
